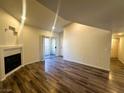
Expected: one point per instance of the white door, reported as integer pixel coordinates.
(47, 46)
(53, 46)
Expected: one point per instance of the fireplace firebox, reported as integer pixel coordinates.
(12, 62)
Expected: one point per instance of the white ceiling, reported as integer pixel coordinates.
(106, 14)
(37, 15)
(99, 13)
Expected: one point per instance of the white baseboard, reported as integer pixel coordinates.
(74, 61)
(28, 63)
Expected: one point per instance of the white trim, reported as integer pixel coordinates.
(28, 63)
(79, 62)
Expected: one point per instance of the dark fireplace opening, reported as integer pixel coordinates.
(12, 62)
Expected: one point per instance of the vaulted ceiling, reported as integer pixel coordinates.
(99, 13)
(37, 15)
(105, 14)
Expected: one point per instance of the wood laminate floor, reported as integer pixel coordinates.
(58, 76)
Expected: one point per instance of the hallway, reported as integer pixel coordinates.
(117, 73)
(58, 76)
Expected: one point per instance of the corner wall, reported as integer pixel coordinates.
(87, 45)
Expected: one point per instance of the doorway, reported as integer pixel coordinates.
(115, 48)
(49, 47)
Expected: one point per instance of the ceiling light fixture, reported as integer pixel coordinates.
(53, 28)
(56, 17)
(23, 17)
(120, 34)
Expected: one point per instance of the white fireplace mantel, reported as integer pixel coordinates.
(10, 46)
(4, 51)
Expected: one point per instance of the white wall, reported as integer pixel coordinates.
(61, 44)
(121, 50)
(114, 47)
(31, 45)
(87, 45)
(7, 38)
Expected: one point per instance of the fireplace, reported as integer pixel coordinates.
(12, 62)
